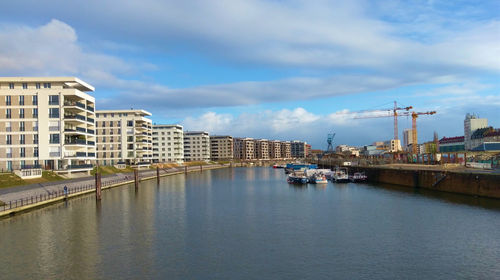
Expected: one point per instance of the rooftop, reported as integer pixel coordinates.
(72, 82)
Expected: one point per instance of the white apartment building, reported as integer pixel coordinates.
(124, 136)
(168, 143)
(221, 147)
(46, 122)
(196, 146)
(244, 148)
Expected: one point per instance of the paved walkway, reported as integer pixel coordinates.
(33, 190)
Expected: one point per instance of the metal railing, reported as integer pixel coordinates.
(13, 204)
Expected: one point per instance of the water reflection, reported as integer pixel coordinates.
(237, 222)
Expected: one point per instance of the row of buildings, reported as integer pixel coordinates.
(52, 122)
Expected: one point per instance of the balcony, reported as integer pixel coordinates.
(74, 117)
(74, 104)
(91, 154)
(91, 143)
(77, 154)
(90, 108)
(75, 142)
(76, 130)
(90, 120)
(90, 131)
(80, 166)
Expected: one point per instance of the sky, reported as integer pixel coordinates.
(276, 69)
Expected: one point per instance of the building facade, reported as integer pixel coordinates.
(471, 124)
(46, 122)
(262, 149)
(196, 146)
(286, 150)
(407, 139)
(221, 147)
(299, 149)
(168, 143)
(274, 149)
(124, 136)
(244, 148)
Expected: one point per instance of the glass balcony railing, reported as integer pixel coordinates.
(75, 142)
(74, 117)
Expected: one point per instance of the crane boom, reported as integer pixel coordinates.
(393, 112)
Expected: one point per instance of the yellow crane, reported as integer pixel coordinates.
(393, 112)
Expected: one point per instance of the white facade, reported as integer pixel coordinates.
(196, 146)
(168, 143)
(46, 121)
(471, 124)
(124, 136)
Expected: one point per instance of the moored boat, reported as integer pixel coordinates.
(358, 177)
(340, 175)
(297, 178)
(318, 178)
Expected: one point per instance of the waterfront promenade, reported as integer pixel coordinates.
(39, 194)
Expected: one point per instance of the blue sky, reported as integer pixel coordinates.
(269, 69)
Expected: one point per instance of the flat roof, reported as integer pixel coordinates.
(71, 81)
(134, 111)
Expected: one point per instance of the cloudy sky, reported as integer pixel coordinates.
(269, 69)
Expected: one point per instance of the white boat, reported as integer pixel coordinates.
(318, 178)
(340, 174)
(297, 177)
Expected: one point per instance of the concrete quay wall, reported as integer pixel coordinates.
(479, 184)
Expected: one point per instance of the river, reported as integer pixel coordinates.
(248, 223)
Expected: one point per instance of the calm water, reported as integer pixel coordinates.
(249, 224)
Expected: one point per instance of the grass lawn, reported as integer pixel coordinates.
(11, 179)
(106, 170)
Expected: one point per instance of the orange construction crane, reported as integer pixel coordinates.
(414, 116)
(393, 113)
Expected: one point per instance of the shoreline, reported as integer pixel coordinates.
(33, 206)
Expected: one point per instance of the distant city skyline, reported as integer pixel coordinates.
(269, 69)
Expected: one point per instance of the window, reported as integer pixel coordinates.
(53, 112)
(53, 99)
(9, 152)
(130, 123)
(103, 131)
(111, 123)
(54, 139)
(112, 115)
(35, 139)
(11, 85)
(35, 126)
(104, 139)
(8, 127)
(35, 112)
(104, 124)
(37, 85)
(25, 85)
(46, 85)
(8, 113)
(35, 151)
(21, 126)
(8, 100)
(22, 152)
(34, 99)
(22, 139)
(9, 139)
(21, 99)
(21, 113)
(105, 115)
